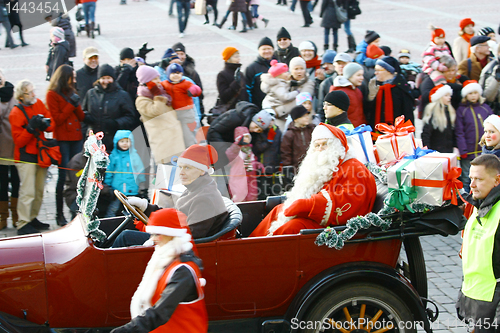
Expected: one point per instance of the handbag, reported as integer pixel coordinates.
(48, 149)
(353, 9)
(200, 7)
(340, 12)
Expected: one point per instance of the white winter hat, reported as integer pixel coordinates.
(297, 61)
(439, 91)
(471, 86)
(494, 120)
(306, 45)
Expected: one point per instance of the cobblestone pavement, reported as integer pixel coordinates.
(401, 24)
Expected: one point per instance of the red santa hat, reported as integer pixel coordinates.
(168, 222)
(439, 91)
(325, 131)
(471, 86)
(201, 157)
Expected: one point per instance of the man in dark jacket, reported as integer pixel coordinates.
(87, 75)
(108, 107)
(126, 73)
(388, 80)
(479, 58)
(286, 51)
(256, 69)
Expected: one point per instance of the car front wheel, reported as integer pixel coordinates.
(359, 308)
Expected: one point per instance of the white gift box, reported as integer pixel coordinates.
(407, 168)
(388, 148)
(356, 148)
(430, 177)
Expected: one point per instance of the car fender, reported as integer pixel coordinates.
(338, 276)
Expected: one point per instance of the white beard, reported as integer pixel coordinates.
(316, 169)
(162, 257)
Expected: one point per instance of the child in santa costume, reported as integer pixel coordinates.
(170, 297)
(330, 188)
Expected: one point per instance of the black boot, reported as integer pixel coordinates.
(60, 219)
(335, 47)
(222, 23)
(351, 43)
(87, 29)
(23, 43)
(325, 47)
(92, 29)
(244, 22)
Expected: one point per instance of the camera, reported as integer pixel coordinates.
(44, 121)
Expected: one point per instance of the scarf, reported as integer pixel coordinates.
(314, 62)
(385, 90)
(6, 92)
(467, 38)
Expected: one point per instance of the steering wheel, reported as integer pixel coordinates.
(131, 209)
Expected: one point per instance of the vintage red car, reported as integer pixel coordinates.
(63, 279)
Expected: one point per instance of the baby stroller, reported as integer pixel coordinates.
(81, 26)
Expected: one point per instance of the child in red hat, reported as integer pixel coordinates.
(436, 49)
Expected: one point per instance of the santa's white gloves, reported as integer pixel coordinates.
(140, 203)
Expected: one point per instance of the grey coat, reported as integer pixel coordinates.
(328, 15)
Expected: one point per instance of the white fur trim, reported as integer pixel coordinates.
(203, 282)
(197, 165)
(446, 89)
(494, 120)
(328, 209)
(175, 232)
(321, 132)
(471, 87)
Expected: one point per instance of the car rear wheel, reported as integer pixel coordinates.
(359, 308)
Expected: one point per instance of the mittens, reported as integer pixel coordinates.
(313, 208)
(194, 90)
(442, 68)
(271, 134)
(153, 88)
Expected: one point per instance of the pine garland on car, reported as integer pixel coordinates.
(90, 182)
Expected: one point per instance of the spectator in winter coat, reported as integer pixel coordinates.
(469, 127)
(439, 121)
(409, 70)
(108, 106)
(255, 70)
(490, 80)
(230, 81)
(297, 138)
(388, 80)
(329, 21)
(489, 32)
(461, 44)
(126, 77)
(336, 104)
(491, 137)
(371, 37)
(58, 52)
(309, 53)
(339, 62)
(349, 83)
(63, 21)
(181, 91)
(285, 51)
(25, 129)
(162, 126)
(63, 104)
(436, 49)
(87, 75)
(479, 58)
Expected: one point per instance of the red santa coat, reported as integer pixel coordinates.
(352, 191)
(190, 317)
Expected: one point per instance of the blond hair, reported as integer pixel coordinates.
(436, 111)
(20, 88)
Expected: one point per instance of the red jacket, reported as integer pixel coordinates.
(355, 112)
(22, 138)
(179, 92)
(66, 117)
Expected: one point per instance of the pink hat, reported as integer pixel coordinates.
(277, 68)
(146, 73)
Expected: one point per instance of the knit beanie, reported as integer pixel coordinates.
(170, 54)
(374, 52)
(437, 32)
(390, 64)
(306, 45)
(263, 119)
(277, 68)
(328, 57)
(386, 49)
(297, 61)
(494, 120)
(228, 52)
(266, 41)
(339, 99)
(179, 47)
(371, 36)
(106, 70)
(174, 68)
(283, 33)
(350, 69)
(146, 73)
(302, 97)
(471, 86)
(404, 53)
(57, 32)
(127, 53)
(439, 91)
(297, 112)
(465, 22)
(486, 31)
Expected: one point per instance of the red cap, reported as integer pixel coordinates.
(374, 52)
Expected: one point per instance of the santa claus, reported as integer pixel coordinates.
(170, 296)
(330, 188)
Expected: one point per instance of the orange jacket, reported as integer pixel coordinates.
(22, 138)
(179, 92)
(66, 117)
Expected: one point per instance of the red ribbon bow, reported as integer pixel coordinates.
(400, 128)
(453, 185)
(98, 182)
(102, 149)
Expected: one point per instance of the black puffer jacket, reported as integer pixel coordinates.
(108, 110)
(328, 15)
(58, 55)
(285, 55)
(252, 80)
(85, 79)
(228, 87)
(221, 131)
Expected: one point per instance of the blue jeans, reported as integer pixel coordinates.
(255, 11)
(464, 177)
(171, 8)
(130, 238)
(89, 11)
(292, 7)
(68, 150)
(335, 36)
(183, 6)
(347, 27)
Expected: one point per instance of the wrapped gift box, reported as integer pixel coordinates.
(400, 182)
(360, 143)
(391, 149)
(431, 177)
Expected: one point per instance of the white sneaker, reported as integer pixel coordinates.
(181, 35)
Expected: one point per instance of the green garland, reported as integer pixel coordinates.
(377, 171)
